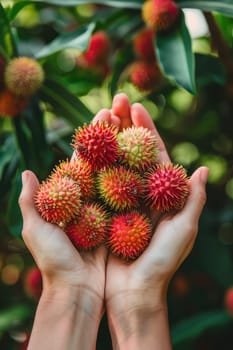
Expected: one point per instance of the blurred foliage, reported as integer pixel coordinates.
(192, 109)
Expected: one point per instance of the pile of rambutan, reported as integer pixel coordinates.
(106, 192)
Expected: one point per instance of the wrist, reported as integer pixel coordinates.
(139, 320)
(62, 317)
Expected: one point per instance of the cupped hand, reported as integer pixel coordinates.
(143, 283)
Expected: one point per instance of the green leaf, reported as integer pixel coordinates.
(16, 8)
(209, 69)
(7, 44)
(14, 217)
(196, 325)
(116, 3)
(223, 6)
(7, 151)
(64, 103)
(13, 316)
(175, 56)
(78, 39)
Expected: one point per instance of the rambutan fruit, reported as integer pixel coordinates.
(33, 282)
(144, 75)
(137, 147)
(10, 104)
(166, 187)
(129, 235)
(98, 49)
(160, 15)
(58, 200)
(79, 171)
(119, 187)
(228, 300)
(88, 230)
(97, 144)
(23, 76)
(143, 44)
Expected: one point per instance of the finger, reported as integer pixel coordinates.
(26, 199)
(197, 197)
(115, 120)
(140, 117)
(121, 108)
(104, 115)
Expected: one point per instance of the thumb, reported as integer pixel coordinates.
(30, 185)
(197, 197)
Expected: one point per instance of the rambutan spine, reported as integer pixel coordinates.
(58, 200)
(129, 235)
(166, 187)
(88, 230)
(138, 147)
(120, 188)
(97, 144)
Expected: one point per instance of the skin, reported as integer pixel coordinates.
(133, 294)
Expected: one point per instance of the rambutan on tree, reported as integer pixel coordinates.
(60, 62)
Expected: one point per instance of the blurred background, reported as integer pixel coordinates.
(89, 51)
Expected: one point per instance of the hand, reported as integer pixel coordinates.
(73, 282)
(135, 292)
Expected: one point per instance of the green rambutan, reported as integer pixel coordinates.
(137, 147)
(166, 187)
(97, 144)
(79, 171)
(23, 76)
(119, 187)
(58, 200)
(160, 15)
(129, 235)
(143, 44)
(146, 76)
(88, 230)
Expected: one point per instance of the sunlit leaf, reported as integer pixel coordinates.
(223, 6)
(116, 3)
(78, 40)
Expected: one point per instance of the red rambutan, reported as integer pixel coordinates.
(79, 171)
(145, 76)
(10, 104)
(129, 235)
(98, 49)
(97, 144)
(33, 283)
(144, 45)
(23, 76)
(89, 228)
(137, 147)
(228, 300)
(166, 187)
(58, 200)
(119, 187)
(160, 15)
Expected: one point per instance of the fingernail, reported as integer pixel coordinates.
(204, 174)
(24, 176)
